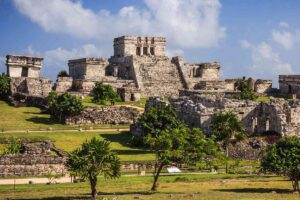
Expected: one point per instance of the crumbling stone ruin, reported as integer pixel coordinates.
(35, 159)
(278, 115)
(24, 72)
(105, 115)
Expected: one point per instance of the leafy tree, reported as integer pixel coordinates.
(63, 73)
(92, 159)
(283, 158)
(227, 128)
(51, 102)
(67, 105)
(172, 141)
(4, 85)
(179, 146)
(244, 86)
(102, 93)
(158, 119)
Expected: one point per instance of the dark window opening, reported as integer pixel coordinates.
(132, 97)
(290, 89)
(138, 51)
(152, 50)
(24, 72)
(145, 51)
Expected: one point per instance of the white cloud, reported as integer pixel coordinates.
(266, 63)
(284, 38)
(186, 23)
(284, 24)
(56, 60)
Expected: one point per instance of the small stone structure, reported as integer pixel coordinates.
(289, 85)
(24, 72)
(105, 115)
(259, 86)
(35, 159)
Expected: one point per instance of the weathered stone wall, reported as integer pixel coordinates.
(34, 160)
(278, 115)
(289, 84)
(63, 84)
(105, 115)
(157, 76)
(88, 68)
(31, 86)
(263, 86)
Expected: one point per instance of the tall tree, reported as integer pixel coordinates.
(172, 141)
(227, 128)
(283, 158)
(92, 159)
(51, 102)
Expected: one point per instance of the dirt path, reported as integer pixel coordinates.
(67, 179)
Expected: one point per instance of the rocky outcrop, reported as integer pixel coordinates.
(105, 115)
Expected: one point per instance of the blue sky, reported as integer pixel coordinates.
(258, 38)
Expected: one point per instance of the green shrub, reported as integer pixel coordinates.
(104, 93)
(13, 147)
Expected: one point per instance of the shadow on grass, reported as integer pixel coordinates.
(255, 190)
(42, 120)
(101, 194)
(122, 138)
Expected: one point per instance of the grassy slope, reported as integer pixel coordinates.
(30, 118)
(225, 187)
(71, 140)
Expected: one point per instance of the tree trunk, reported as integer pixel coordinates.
(93, 183)
(227, 153)
(296, 185)
(156, 176)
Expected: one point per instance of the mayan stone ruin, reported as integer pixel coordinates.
(140, 68)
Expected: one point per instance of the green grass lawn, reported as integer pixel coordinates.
(68, 141)
(212, 187)
(263, 99)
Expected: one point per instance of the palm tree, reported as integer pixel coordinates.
(226, 127)
(92, 159)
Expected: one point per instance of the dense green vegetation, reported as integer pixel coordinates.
(212, 187)
(244, 86)
(283, 158)
(63, 105)
(102, 94)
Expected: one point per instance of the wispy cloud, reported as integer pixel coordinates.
(186, 23)
(266, 63)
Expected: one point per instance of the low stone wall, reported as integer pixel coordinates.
(105, 115)
(34, 159)
(31, 165)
